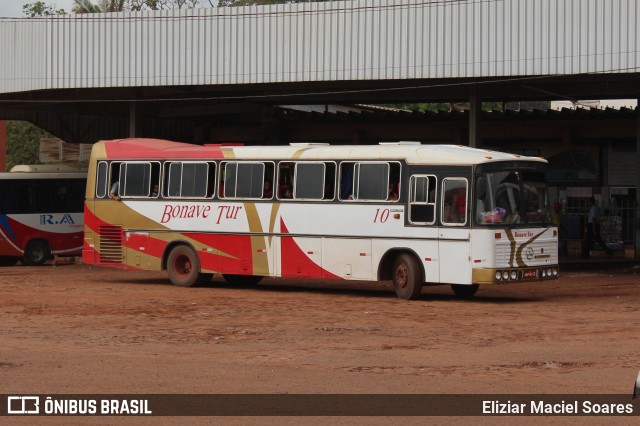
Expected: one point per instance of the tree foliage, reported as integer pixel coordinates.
(40, 8)
(136, 5)
(23, 143)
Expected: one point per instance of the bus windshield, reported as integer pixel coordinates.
(511, 197)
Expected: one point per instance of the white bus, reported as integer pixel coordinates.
(41, 212)
(412, 214)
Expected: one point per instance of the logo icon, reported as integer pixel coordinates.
(23, 405)
(529, 253)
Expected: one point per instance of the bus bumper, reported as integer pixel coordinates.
(511, 275)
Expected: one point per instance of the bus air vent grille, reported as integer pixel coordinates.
(111, 244)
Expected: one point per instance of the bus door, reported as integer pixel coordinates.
(423, 191)
(454, 232)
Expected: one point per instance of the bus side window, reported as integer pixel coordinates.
(154, 185)
(422, 206)
(366, 180)
(330, 181)
(135, 179)
(394, 182)
(114, 177)
(372, 181)
(102, 179)
(346, 180)
(188, 179)
(454, 201)
(309, 180)
(285, 180)
(268, 187)
(244, 180)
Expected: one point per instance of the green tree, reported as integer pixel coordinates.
(23, 143)
(86, 6)
(40, 8)
(161, 4)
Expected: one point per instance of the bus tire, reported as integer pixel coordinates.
(464, 291)
(36, 253)
(242, 280)
(8, 260)
(183, 267)
(407, 281)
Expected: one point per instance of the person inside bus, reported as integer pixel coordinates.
(268, 189)
(393, 194)
(154, 192)
(115, 191)
(458, 207)
(285, 191)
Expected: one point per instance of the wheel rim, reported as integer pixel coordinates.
(36, 253)
(401, 276)
(182, 266)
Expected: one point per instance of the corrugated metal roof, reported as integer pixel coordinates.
(326, 41)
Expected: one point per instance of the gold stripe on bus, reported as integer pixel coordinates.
(259, 253)
(112, 213)
(512, 242)
(228, 153)
(519, 251)
(299, 152)
(515, 253)
(272, 220)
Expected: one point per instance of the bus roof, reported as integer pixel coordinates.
(412, 153)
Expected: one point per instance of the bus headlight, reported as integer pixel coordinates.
(555, 272)
(514, 275)
(498, 275)
(543, 272)
(505, 275)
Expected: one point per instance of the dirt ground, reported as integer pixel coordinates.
(84, 329)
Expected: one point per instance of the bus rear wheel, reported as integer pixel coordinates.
(242, 280)
(8, 260)
(183, 267)
(36, 253)
(407, 281)
(464, 291)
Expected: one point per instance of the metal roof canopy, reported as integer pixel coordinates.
(102, 76)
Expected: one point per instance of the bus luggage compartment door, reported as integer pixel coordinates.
(348, 258)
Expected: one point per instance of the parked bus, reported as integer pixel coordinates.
(41, 212)
(402, 212)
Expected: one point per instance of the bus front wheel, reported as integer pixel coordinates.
(464, 291)
(183, 267)
(36, 253)
(407, 281)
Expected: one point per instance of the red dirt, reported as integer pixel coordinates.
(81, 329)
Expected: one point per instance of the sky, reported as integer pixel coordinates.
(13, 8)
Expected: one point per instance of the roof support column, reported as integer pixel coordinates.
(637, 213)
(132, 119)
(475, 107)
(3, 145)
